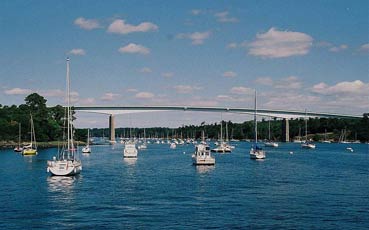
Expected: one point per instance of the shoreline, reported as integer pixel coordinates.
(46, 144)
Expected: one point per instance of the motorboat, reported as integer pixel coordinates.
(202, 155)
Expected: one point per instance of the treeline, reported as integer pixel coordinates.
(48, 122)
(318, 128)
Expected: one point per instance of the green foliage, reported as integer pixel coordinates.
(48, 121)
(316, 129)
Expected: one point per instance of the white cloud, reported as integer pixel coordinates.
(86, 101)
(145, 70)
(87, 24)
(290, 101)
(144, 95)
(167, 74)
(264, 81)
(241, 90)
(109, 96)
(54, 93)
(133, 48)
(365, 47)
(229, 74)
(291, 82)
(132, 90)
(196, 12)
(79, 52)
(119, 26)
(338, 48)
(197, 38)
(228, 98)
(186, 89)
(232, 45)
(18, 91)
(224, 17)
(279, 44)
(346, 87)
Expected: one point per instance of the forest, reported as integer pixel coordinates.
(49, 123)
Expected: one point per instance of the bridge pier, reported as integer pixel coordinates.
(285, 130)
(112, 127)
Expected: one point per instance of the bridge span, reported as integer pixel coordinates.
(283, 114)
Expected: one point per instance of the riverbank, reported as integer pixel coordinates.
(48, 144)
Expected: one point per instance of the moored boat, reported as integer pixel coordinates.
(256, 152)
(66, 162)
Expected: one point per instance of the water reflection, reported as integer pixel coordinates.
(202, 169)
(130, 161)
(61, 183)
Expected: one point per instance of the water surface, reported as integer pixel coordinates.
(325, 188)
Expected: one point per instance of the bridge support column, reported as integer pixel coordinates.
(285, 130)
(112, 127)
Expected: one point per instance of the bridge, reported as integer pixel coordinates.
(283, 114)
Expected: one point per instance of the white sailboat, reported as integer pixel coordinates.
(66, 162)
(325, 138)
(222, 147)
(87, 148)
(299, 139)
(31, 149)
(307, 144)
(270, 143)
(202, 155)
(256, 152)
(19, 148)
(143, 145)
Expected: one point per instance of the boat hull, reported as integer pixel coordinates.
(203, 161)
(308, 146)
(86, 150)
(130, 151)
(271, 144)
(29, 152)
(18, 149)
(64, 168)
(257, 154)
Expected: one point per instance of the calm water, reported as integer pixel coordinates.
(326, 188)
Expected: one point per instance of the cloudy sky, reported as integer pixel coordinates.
(298, 55)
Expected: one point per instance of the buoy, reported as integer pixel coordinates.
(291, 152)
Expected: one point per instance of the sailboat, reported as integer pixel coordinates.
(143, 145)
(307, 144)
(256, 152)
(87, 148)
(66, 162)
(299, 139)
(31, 149)
(325, 138)
(19, 148)
(222, 147)
(270, 143)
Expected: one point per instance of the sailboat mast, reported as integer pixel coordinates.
(306, 132)
(19, 138)
(68, 104)
(227, 132)
(221, 127)
(269, 129)
(256, 124)
(33, 131)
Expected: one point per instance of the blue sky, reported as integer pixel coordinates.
(311, 54)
